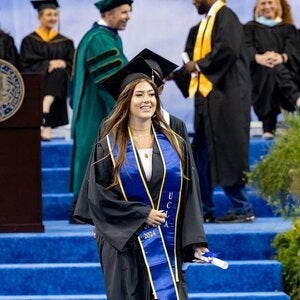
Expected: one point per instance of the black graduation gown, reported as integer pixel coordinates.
(118, 223)
(274, 87)
(225, 113)
(35, 55)
(179, 127)
(8, 50)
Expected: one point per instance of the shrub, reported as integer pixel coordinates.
(288, 253)
(277, 176)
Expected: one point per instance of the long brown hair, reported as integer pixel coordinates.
(117, 125)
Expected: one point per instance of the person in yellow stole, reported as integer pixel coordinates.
(141, 192)
(47, 51)
(221, 85)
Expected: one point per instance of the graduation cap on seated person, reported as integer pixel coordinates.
(137, 68)
(106, 5)
(42, 4)
(160, 64)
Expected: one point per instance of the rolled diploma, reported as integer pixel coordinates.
(213, 260)
(186, 59)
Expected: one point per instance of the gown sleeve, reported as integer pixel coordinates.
(192, 229)
(117, 220)
(33, 56)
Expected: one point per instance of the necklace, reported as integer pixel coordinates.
(147, 153)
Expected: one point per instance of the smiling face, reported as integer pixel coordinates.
(118, 17)
(48, 18)
(143, 102)
(267, 8)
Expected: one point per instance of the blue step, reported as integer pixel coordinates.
(247, 241)
(57, 153)
(47, 279)
(56, 205)
(240, 296)
(194, 296)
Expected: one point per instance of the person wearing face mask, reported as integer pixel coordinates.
(141, 193)
(47, 51)
(99, 55)
(275, 59)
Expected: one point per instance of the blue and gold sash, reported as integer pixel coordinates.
(158, 244)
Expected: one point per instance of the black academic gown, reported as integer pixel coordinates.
(8, 50)
(118, 223)
(278, 86)
(179, 127)
(35, 55)
(225, 113)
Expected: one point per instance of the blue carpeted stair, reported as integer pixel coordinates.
(62, 263)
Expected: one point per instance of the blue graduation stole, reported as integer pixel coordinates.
(158, 244)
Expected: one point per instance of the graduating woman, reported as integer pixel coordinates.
(142, 194)
(47, 51)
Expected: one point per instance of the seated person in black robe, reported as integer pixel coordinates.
(275, 59)
(141, 192)
(50, 53)
(8, 50)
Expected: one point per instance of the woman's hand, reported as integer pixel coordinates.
(265, 59)
(270, 59)
(200, 250)
(156, 218)
(56, 64)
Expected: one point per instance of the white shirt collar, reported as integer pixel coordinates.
(102, 22)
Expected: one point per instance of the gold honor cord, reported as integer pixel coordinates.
(201, 49)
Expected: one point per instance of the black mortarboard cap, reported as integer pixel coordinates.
(137, 68)
(105, 5)
(160, 64)
(42, 4)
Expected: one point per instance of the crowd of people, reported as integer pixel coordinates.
(135, 175)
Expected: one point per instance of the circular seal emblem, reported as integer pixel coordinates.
(11, 90)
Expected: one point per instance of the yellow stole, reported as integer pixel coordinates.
(46, 36)
(201, 49)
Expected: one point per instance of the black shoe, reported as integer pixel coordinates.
(236, 218)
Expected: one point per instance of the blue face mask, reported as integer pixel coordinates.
(268, 22)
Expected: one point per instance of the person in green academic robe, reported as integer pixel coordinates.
(141, 192)
(99, 54)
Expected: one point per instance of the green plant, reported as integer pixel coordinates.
(277, 176)
(288, 252)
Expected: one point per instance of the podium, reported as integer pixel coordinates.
(20, 163)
